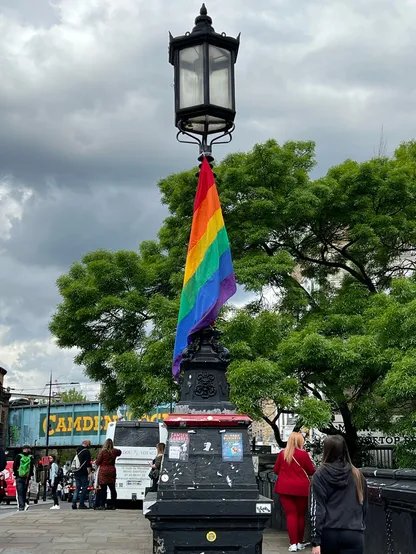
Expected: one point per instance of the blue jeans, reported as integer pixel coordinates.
(21, 486)
(81, 484)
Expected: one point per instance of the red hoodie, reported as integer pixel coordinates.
(292, 479)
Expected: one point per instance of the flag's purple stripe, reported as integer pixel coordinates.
(228, 288)
(208, 297)
(176, 367)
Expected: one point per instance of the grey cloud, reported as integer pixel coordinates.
(61, 226)
(86, 120)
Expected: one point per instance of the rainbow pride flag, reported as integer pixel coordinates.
(209, 276)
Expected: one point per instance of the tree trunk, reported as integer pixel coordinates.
(350, 431)
(273, 424)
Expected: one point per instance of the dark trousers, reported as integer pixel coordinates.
(21, 487)
(81, 484)
(54, 489)
(342, 541)
(102, 495)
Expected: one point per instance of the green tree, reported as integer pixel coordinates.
(329, 249)
(120, 309)
(326, 247)
(73, 395)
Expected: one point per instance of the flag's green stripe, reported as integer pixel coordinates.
(205, 271)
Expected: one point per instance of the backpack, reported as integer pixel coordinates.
(76, 462)
(60, 475)
(24, 466)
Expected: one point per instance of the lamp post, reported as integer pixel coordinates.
(48, 416)
(203, 62)
(207, 498)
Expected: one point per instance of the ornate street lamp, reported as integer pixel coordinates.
(203, 62)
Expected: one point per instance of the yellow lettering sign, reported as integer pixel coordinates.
(61, 427)
(88, 423)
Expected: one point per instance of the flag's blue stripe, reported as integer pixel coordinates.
(207, 296)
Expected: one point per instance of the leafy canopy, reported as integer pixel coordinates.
(72, 395)
(320, 257)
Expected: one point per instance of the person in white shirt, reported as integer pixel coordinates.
(54, 482)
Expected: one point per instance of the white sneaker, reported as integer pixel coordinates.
(26, 507)
(293, 548)
(55, 508)
(301, 546)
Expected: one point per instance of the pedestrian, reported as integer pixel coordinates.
(3, 459)
(293, 468)
(338, 504)
(81, 466)
(3, 487)
(154, 473)
(23, 469)
(91, 488)
(107, 476)
(54, 481)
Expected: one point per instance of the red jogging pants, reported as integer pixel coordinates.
(295, 510)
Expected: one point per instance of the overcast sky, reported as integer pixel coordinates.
(86, 125)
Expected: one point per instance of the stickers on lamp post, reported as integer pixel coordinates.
(232, 447)
(211, 536)
(179, 447)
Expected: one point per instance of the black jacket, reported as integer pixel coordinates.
(3, 460)
(84, 456)
(334, 501)
(16, 465)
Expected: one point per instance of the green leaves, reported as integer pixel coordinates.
(332, 326)
(114, 313)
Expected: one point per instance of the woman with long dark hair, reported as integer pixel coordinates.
(293, 468)
(106, 462)
(338, 504)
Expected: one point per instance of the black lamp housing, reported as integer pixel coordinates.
(203, 62)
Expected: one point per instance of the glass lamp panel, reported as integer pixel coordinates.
(191, 77)
(220, 85)
(201, 123)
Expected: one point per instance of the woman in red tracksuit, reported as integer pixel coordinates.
(293, 468)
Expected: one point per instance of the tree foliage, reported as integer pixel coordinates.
(73, 395)
(115, 308)
(329, 249)
(324, 259)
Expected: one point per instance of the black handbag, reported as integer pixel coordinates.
(154, 474)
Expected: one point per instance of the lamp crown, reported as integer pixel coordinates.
(203, 21)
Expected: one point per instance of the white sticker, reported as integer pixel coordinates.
(147, 505)
(263, 508)
(165, 478)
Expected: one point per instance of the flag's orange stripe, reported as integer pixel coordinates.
(206, 210)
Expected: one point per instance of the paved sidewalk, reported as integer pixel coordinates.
(89, 532)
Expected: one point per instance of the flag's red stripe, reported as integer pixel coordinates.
(206, 181)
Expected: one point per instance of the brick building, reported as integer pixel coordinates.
(4, 408)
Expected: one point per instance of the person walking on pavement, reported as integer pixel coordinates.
(3, 487)
(3, 459)
(338, 503)
(81, 466)
(293, 467)
(54, 481)
(23, 469)
(107, 475)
